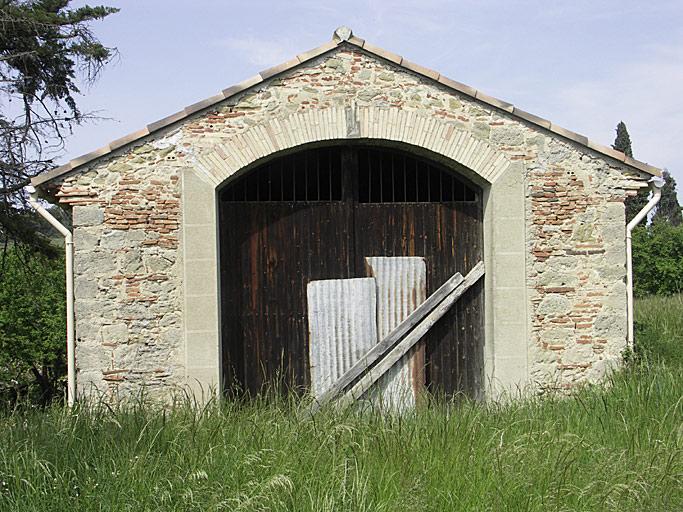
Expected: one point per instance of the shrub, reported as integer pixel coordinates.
(32, 327)
(658, 259)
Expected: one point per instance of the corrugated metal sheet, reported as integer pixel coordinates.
(401, 288)
(342, 323)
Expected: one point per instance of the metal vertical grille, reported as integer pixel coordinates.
(309, 176)
(393, 177)
(386, 176)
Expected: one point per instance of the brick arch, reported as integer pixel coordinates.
(200, 181)
(336, 123)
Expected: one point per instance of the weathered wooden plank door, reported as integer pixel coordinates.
(284, 228)
(426, 213)
(317, 214)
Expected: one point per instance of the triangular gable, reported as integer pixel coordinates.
(343, 36)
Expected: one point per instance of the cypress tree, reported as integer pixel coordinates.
(623, 140)
(622, 143)
(668, 209)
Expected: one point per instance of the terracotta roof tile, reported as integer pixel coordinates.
(245, 84)
(341, 36)
(161, 123)
(90, 156)
(581, 139)
(382, 53)
(531, 118)
(460, 87)
(201, 105)
(617, 155)
(495, 102)
(434, 75)
(127, 139)
(317, 52)
(280, 68)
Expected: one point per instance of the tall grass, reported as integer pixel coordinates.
(659, 329)
(618, 447)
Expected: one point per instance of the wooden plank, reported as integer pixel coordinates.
(381, 348)
(396, 353)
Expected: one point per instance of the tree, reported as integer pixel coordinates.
(658, 259)
(32, 327)
(658, 247)
(622, 143)
(623, 140)
(668, 209)
(45, 48)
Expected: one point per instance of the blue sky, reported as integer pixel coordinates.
(584, 65)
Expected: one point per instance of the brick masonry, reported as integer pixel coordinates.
(128, 210)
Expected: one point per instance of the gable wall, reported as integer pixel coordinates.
(554, 227)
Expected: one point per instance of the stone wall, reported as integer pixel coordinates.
(128, 237)
(127, 278)
(576, 238)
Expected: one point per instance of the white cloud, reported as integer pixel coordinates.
(645, 94)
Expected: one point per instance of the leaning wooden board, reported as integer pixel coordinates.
(377, 352)
(403, 346)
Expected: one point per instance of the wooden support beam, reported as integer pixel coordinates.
(403, 346)
(381, 349)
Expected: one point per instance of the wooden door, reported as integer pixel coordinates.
(282, 226)
(316, 215)
(409, 207)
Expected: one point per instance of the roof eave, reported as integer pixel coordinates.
(341, 36)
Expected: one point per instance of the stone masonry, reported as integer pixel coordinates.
(127, 282)
(128, 213)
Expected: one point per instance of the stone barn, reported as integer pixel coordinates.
(199, 240)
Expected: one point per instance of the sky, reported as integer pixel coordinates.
(583, 64)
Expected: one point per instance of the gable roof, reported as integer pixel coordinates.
(343, 36)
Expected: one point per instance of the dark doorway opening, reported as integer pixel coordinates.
(316, 214)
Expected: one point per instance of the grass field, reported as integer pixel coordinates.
(614, 448)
